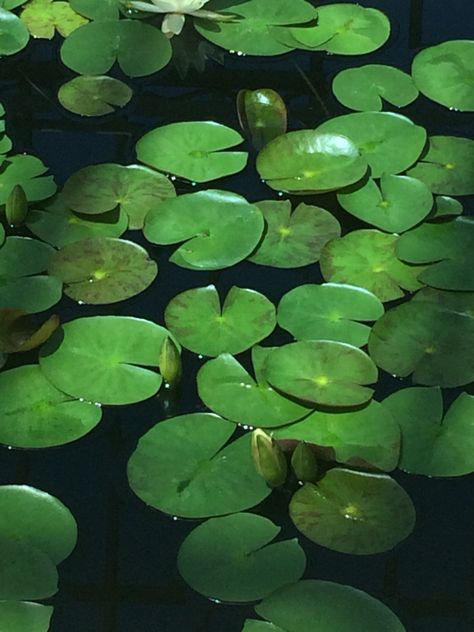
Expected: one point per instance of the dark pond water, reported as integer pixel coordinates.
(122, 576)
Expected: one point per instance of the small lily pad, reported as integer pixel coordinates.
(26, 572)
(231, 558)
(26, 171)
(13, 33)
(94, 96)
(18, 616)
(44, 17)
(353, 512)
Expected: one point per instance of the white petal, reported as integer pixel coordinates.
(172, 24)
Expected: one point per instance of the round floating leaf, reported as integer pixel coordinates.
(34, 414)
(321, 372)
(140, 49)
(293, 239)
(262, 115)
(43, 17)
(100, 188)
(308, 161)
(232, 559)
(99, 359)
(94, 96)
(103, 10)
(193, 150)
(19, 332)
(13, 33)
(103, 270)
(390, 142)
(367, 258)
(25, 572)
(353, 512)
(445, 205)
(431, 445)
(226, 388)
(444, 72)
(32, 516)
(201, 325)
(334, 606)
(26, 171)
(448, 166)
(399, 204)
(18, 616)
(254, 625)
(221, 228)
(23, 256)
(197, 475)
(366, 87)
(368, 438)
(328, 312)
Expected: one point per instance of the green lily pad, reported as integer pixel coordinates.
(254, 625)
(366, 88)
(445, 206)
(13, 33)
(368, 438)
(100, 188)
(448, 166)
(26, 171)
(334, 606)
(26, 572)
(221, 228)
(321, 372)
(353, 512)
(19, 331)
(431, 445)
(201, 325)
(231, 558)
(367, 258)
(329, 312)
(293, 239)
(444, 73)
(103, 10)
(94, 96)
(307, 161)
(23, 256)
(18, 616)
(450, 245)
(262, 115)
(44, 17)
(101, 359)
(390, 142)
(193, 150)
(34, 414)
(140, 49)
(399, 204)
(103, 270)
(197, 475)
(227, 389)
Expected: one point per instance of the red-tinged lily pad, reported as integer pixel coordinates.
(19, 332)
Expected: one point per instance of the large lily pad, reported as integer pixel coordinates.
(18, 616)
(431, 445)
(353, 512)
(329, 311)
(231, 558)
(94, 96)
(26, 572)
(400, 203)
(221, 228)
(293, 239)
(197, 474)
(103, 10)
(226, 388)
(35, 414)
(102, 359)
(444, 72)
(321, 372)
(44, 17)
(308, 161)
(27, 171)
(193, 150)
(390, 142)
(103, 270)
(201, 325)
(13, 33)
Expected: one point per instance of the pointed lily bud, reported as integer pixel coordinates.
(16, 206)
(304, 463)
(269, 459)
(170, 362)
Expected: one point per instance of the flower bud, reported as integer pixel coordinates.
(304, 463)
(170, 362)
(16, 206)
(269, 458)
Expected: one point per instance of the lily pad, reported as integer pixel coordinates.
(366, 88)
(94, 96)
(262, 115)
(367, 258)
(321, 372)
(26, 171)
(444, 72)
(26, 572)
(34, 414)
(293, 239)
(231, 558)
(329, 312)
(448, 166)
(44, 17)
(100, 188)
(391, 143)
(307, 161)
(103, 10)
(353, 512)
(201, 325)
(254, 625)
(197, 475)
(103, 270)
(226, 388)
(445, 206)
(19, 332)
(13, 33)
(102, 359)
(221, 228)
(431, 445)
(193, 150)
(399, 204)
(17, 616)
